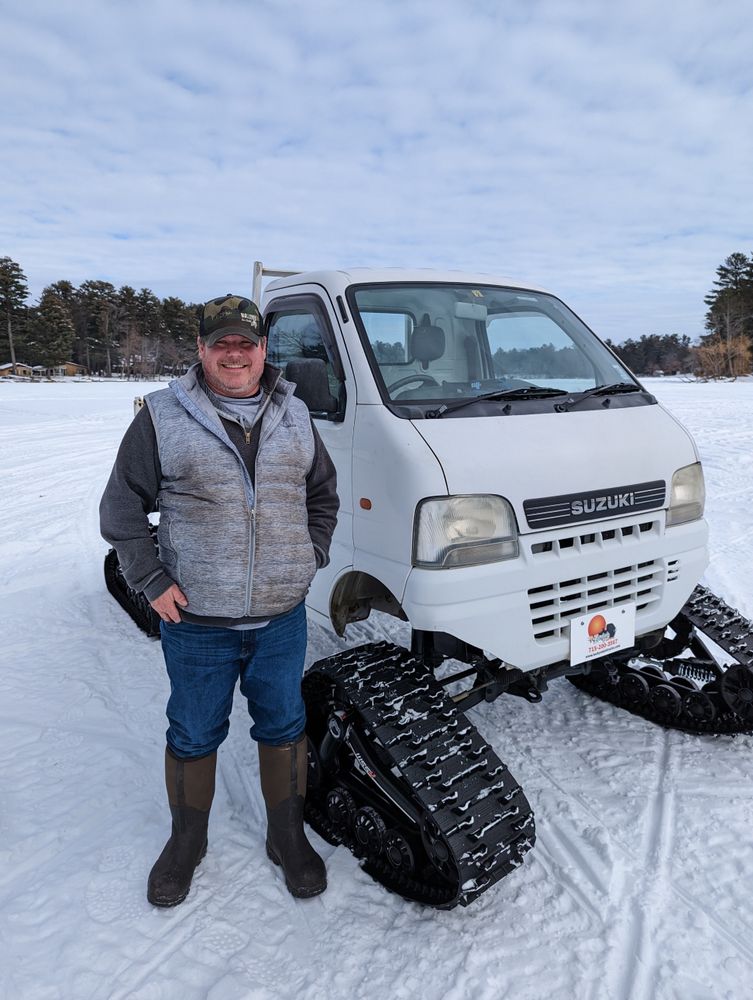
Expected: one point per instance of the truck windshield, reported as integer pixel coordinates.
(448, 342)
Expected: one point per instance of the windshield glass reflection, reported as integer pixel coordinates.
(447, 342)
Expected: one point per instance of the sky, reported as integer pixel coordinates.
(602, 151)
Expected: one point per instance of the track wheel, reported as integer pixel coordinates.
(699, 707)
(398, 852)
(369, 828)
(633, 688)
(737, 691)
(666, 700)
(341, 808)
(436, 848)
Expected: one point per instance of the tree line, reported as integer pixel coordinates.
(106, 329)
(725, 351)
(124, 331)
(669, 354)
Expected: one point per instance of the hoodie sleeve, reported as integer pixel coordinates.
(322, 500)
(129, 497)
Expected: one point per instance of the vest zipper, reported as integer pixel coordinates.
(249, 578)
(259, 415)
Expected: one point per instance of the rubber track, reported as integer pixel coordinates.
(134, 604)
(483, 817)
(713, 619)
(721, 623)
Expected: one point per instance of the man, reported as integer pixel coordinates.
(248, 503)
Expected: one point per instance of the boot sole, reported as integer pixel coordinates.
(164, 903)
(298, 893)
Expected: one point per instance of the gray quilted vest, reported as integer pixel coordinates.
(234, 550)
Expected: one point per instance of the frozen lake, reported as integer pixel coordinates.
(639, 885)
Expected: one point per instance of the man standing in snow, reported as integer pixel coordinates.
(247, 499)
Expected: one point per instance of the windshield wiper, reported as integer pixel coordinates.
(526, 392)
(599, 390)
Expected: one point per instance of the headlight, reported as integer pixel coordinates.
(687, 497)
(464, 531)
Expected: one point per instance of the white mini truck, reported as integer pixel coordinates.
(509, 489)
(500, 471)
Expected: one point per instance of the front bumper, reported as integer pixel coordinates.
(519, 610)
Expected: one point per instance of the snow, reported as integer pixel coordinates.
(639, 885)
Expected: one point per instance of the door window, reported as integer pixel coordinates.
(301, 343)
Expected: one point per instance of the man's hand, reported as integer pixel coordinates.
(166, 605)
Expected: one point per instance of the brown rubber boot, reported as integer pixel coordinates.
(283, 783)
(190, 790)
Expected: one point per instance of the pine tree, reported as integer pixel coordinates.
(151, 326)
(97, 304)
(730, 302)
(181, 326)
(127, 326)
(52, 329)
(14, 292)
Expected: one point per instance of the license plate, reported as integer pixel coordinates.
(599, 633)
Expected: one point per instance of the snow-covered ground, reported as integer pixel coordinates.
(639, 886)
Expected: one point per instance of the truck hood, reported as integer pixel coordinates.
(529, 456)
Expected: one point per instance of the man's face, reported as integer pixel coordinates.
(233, 366)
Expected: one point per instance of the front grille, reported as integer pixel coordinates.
(552, 605)
(565, 545)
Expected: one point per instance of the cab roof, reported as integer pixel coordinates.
(339, 279)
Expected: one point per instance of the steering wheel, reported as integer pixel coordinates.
(415, 377)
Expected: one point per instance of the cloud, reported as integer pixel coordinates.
(584, 147)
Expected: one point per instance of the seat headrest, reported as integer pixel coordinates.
(312, 384)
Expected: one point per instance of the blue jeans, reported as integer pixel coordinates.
(203, 665)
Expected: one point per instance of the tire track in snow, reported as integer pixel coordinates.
(631, 967)
(733, 939)
(553, 848)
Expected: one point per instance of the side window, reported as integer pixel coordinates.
(300, 342)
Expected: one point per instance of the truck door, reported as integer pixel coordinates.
(304, 340)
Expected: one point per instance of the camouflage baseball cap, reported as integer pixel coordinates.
(230, 314)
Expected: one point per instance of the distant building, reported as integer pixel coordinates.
(67, 368)
(40, 371)
(21, 369)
